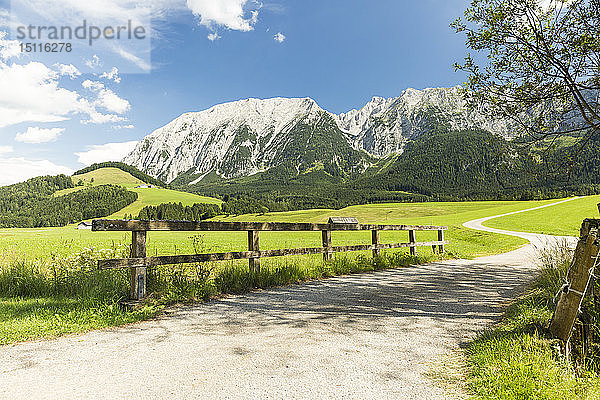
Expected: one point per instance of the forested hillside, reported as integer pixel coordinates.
(30, 204)
(179, 212)
(476, 165)
(454, 165)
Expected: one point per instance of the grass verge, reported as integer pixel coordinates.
(515, 359)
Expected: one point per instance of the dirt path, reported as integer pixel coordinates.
(377, 336)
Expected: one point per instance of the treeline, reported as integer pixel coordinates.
(123, 167)
(179, 212)
(25, 209)
(39, 186)
(477, 165)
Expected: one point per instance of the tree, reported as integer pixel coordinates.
(542, 66)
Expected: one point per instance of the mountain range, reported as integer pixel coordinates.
(246, 137)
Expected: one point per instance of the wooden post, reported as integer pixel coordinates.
(254, 245)
(572, 295)
(138, 277)
(441, 247)
(375, 242)
(326, 236)
(412, 239)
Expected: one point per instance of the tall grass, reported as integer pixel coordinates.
(76, 276)
(516, 359)
(69, 294)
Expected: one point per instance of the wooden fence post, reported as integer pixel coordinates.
(573, 292)
(412, 239)
(326, 236)
(441, 247)
(138, 277)
(375, 242)
(254, 245)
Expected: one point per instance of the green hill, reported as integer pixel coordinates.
(107, 192)
(151, 196)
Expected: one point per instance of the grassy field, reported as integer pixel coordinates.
(563, 219)
(41, 243)
(50, 303)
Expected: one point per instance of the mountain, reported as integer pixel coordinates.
(246, 137)
(251, 136)
(385, 126)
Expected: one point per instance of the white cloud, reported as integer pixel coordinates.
(113, 103)
(112, 75)
(279, 37)
(69, 70)
(31, 93)
(18, 169)
(130, 126)
(93, 62)
(213, 36)
(229, 14)
(96, 117)
(6, 149)
(105, 152)
(37, 135)
(92, 85)
(107, 98)
(8, 48)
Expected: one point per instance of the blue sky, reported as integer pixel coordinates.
(339, 52)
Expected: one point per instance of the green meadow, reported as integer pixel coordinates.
(562, 220)
(43, 242)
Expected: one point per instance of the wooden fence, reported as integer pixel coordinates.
(138, 262)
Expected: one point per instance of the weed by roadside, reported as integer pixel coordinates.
(516, 360)
(62, 295)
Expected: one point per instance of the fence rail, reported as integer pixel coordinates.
(138, 262)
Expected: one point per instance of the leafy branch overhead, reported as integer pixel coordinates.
(541, 65)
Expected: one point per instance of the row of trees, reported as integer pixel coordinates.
(177, 211)
(33, 210)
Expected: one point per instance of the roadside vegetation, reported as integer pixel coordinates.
(49, 297)
(517, 360)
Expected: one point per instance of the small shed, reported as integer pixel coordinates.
(84, 225)
(343, 220)
(144, 186)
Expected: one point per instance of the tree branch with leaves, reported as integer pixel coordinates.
(538, 65)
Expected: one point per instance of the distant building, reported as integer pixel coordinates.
(84, 225)
(144, 186)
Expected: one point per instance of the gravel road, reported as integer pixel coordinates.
(382, 335)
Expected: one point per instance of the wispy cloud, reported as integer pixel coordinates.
(105, 152)
(279, 37)
(18, 169)
(35, 135)
(141, 63)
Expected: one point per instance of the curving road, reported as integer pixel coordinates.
(382, 335)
